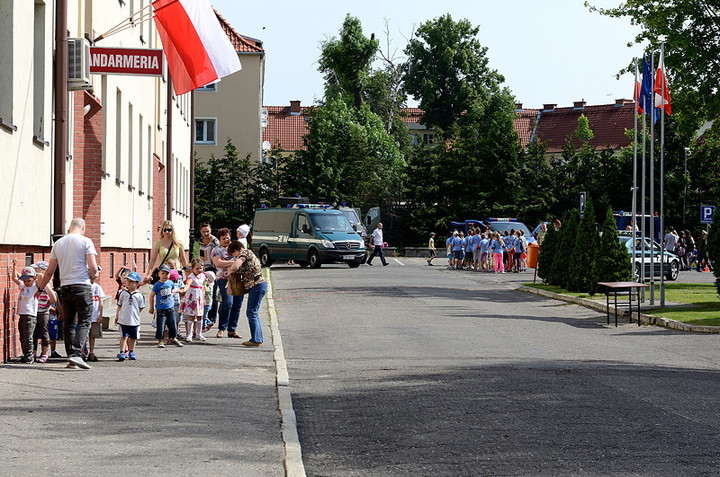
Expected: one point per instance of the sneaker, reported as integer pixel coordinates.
(176, 342)
(161, 345)
(369, 264)
(25, 359)
(132, 356)
(188, 339)
(385, 264)
(72, 366)
(121, 356)
(201, 338)
(78, 361)
(55, 354)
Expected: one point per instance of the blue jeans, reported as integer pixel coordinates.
(211, 316)
(76, 301)
(229, 308)
(165, 316)
(378, 250)
(255, 296)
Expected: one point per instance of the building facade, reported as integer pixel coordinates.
(125, 164)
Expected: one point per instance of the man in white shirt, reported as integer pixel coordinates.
(670, 240)
(377, 238)
(74, 255)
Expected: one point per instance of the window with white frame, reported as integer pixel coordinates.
(205, 130)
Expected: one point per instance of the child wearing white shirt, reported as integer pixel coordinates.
(96, 323)
(130, 303)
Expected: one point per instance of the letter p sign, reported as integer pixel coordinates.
(706, 214)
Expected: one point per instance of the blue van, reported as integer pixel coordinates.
(309, 236)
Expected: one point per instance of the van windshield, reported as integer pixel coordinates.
(351, 216)
(331, 223)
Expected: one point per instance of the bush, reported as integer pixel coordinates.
(613, 262)
(585, 246)
(563, 253)
(547, 253)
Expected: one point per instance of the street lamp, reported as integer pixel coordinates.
(687, 151)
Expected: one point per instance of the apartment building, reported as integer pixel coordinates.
(113, 149)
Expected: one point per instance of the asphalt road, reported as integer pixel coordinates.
(417, 370)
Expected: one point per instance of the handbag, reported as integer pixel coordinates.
(236, 286)
(155, 277)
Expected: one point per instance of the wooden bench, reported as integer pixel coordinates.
(621, 288)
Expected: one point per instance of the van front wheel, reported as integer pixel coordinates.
(265, 259)
(314, 259)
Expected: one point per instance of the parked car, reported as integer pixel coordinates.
(506, 224)
(653, 254)
(308, 235)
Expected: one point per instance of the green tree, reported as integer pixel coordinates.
(448, 70)
(612, 262)
(546, 254)
(224, 190)
(345, 62)
(691, 29)
(563, 253)
(585, 247)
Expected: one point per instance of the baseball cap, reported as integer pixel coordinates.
(134, 276)
(28, 272)
(42, 265)
(165, 268)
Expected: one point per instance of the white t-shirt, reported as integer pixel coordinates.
(97, 294)
(377, 237)
(70, 252)
(27, 303)
(129, 305)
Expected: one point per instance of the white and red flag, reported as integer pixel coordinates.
(662, 95)
(636, 93)
(197, 49)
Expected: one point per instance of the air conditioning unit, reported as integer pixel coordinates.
(78, 64)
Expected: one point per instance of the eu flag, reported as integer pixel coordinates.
(646, 91)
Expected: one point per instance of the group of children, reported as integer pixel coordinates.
(171, 300)
(483, 251)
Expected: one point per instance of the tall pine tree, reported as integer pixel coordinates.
(587, 242)
(612, 262)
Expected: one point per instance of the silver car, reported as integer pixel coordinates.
(670, 264)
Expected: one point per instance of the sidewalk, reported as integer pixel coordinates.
(208, 408)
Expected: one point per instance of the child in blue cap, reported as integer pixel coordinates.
(129, 305)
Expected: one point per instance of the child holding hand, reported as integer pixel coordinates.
(27, 308)
(192, 305)
(130, 303)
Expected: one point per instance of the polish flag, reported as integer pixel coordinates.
(636, 93)
(662, 95)
(197, 49)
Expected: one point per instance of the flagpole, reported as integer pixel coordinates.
(642, 195)
(662, 170)
(635, 156)
(652, 179)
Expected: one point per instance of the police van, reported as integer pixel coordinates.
(308, 235)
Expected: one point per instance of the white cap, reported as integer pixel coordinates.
(244, 229)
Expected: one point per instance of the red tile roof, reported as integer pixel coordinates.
(607, 121)
(286, 129)
(242, 44)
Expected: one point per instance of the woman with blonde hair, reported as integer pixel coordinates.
(168, 249)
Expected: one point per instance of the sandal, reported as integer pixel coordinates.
(42, 359)
(234, 335)
(220, 334)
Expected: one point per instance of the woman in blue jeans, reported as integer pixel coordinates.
(230, 306)
(248, 265)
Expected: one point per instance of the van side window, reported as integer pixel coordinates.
(302, 224)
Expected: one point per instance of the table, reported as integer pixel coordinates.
(615, 288)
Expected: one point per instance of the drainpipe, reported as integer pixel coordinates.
(61, 121)
(168, 154)
(192, 174)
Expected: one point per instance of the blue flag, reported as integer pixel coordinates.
(646, 91)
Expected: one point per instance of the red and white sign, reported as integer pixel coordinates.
(126, 61)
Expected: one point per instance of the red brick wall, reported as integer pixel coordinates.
(158, 195)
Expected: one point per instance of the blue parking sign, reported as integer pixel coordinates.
(706, 214)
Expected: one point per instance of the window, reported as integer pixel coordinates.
(39, 76)
(118, 137)
(208, 87)
(130, 147)
(427, 138)
(141, 171)
(6, 72)
(205, 131)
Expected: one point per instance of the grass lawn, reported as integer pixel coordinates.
(704, 297)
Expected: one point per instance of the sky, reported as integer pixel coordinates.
(549, 51)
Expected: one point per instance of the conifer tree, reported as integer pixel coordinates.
(563, 253)
(612, 263)
(547, 253)
(587, 242)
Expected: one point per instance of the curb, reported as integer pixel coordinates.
(645, 319)
(294, 466)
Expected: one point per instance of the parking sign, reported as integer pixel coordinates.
(706, 214)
